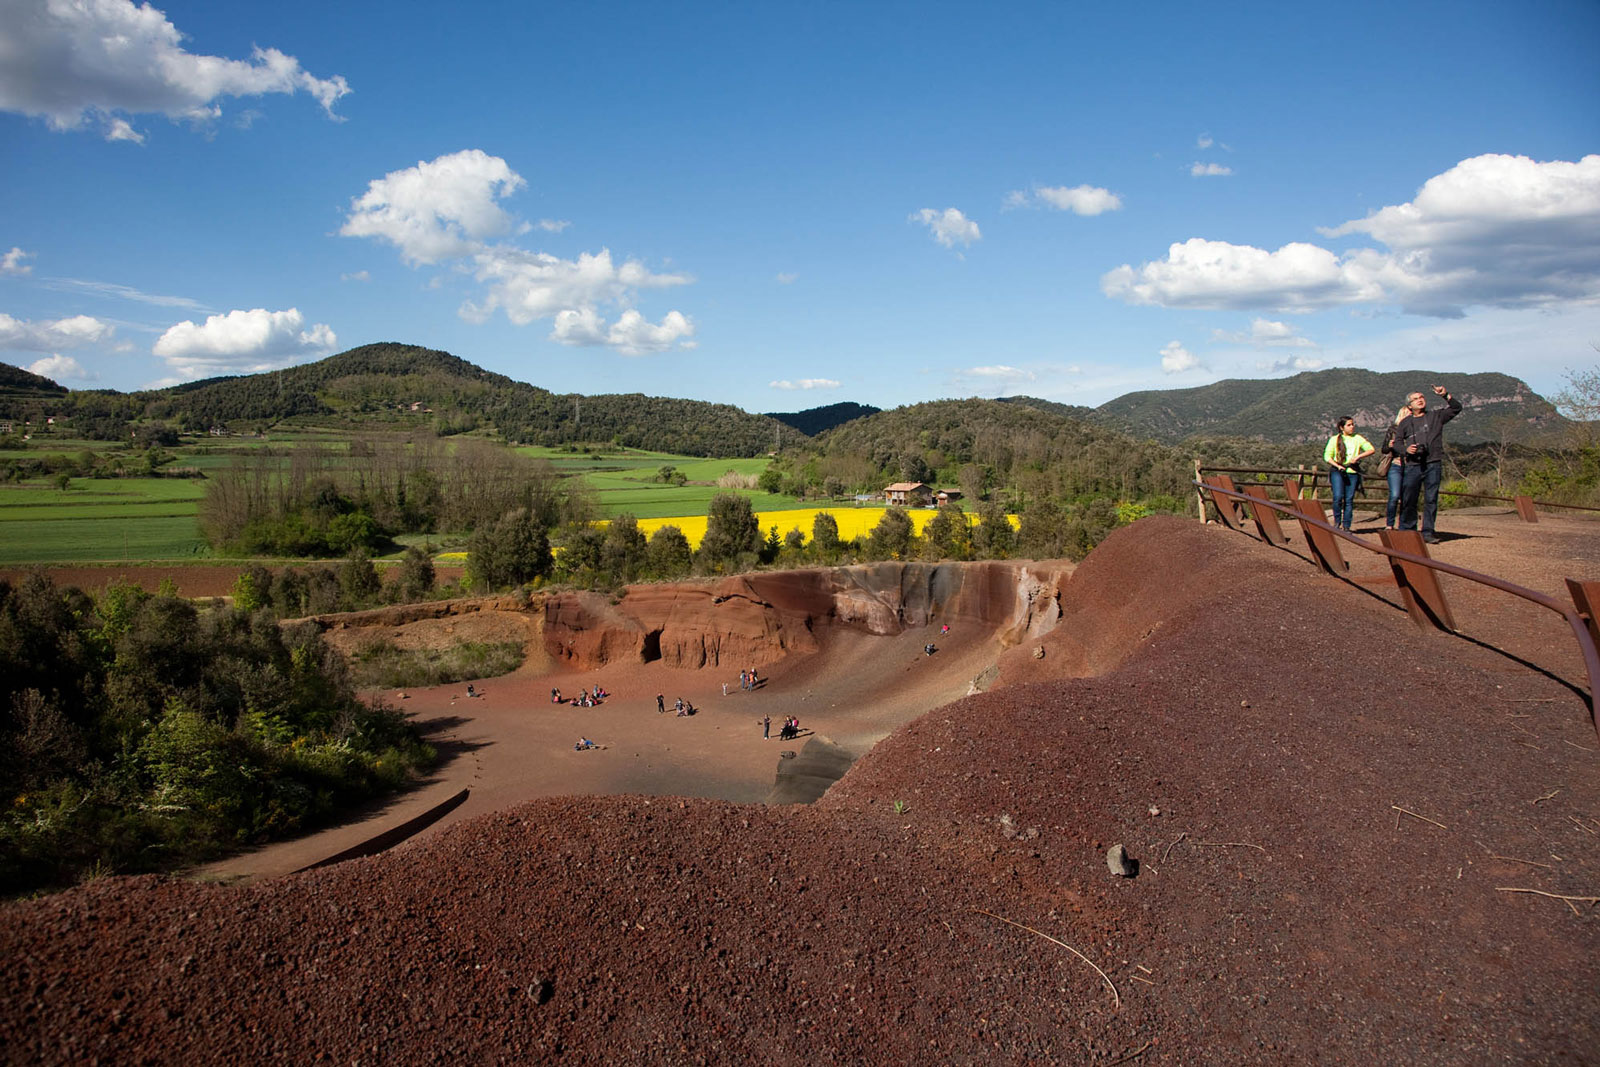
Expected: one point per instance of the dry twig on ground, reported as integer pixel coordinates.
(1414, 815)
(1115, 997)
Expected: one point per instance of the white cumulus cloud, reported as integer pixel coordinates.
(75, 62)
(52, 336)
(1493, 231)
(1175, 359)
(949, 227)
(536, 285)
(1297, 363)
(448, 212)
(787, 277)
(61, 368)
(805, 383)
(632, 334)
(11, 263)
(1203, 141)
(242, 342)
(1265, 333)
(442, 209)
(1079, 199)
(1209, 170)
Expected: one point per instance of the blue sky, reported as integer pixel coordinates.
(781, 206)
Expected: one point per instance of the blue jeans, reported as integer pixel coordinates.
(1420, 479)
(1344, 496)
(1394, 494)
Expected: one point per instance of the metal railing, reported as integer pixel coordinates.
(1309, 477)
(1414, 571)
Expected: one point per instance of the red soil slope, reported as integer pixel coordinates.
(1327, 808)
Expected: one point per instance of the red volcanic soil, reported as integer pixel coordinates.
(1338, 821)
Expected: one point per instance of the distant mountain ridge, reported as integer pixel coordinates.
(406, 385)
(1304, 407)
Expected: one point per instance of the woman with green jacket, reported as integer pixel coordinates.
(1346, 449)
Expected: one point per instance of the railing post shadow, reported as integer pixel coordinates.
(1419, 585)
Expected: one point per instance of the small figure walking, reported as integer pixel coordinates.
(661, 705)
(724, 688)
(752, 678)
(766, 727)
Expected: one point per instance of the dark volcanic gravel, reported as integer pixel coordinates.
(1255, 735)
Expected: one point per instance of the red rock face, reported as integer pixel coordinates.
(758, 618)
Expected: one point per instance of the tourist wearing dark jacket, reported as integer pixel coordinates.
(1420, 441)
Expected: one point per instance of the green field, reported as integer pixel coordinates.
(625, 480)
(136, 519)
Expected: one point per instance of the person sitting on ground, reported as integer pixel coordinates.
(584, 743)
(471, 692)
(555, 696)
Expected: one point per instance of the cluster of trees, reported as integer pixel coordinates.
(352, 585)
(146, 462)
(984, 447)
(138, 733)
(517, 551)
(310, 501)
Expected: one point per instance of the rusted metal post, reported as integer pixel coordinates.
(1525, 509)
(1586, 598)
(1235, 509)
(1291, 489)
(1266, 518)
(1227, 507)
(1324, 545)
(1419, 585)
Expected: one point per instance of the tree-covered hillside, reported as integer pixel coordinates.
(1304, 407)
(813, 421)
(985, 445)
(396, 386)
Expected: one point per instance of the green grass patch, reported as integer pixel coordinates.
(380, 664)
(79, 540)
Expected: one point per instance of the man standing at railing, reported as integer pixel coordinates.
(1420, 439)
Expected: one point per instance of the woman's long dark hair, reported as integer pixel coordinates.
(1338, 433)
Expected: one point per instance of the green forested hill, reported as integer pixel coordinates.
(813, 421)
(1304, 407)
(21, 391)
(396, 386)
(983, 444)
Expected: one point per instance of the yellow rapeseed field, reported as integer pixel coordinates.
(853, 522)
